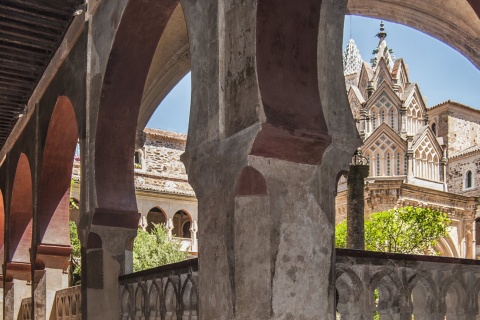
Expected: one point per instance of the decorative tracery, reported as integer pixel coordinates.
(426, 161)
(386, 157)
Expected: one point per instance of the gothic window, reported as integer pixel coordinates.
(398, 164)
(388, 164)
(434, 129)
(405, 164)
(392, 120)
(426, 161)
(374, 120)
(468, 179)
(383, 116)
(377, 165)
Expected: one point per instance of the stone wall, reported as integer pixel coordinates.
(457, 168)
(162, 170)
(464, 132)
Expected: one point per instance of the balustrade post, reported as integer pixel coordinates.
(194, 230)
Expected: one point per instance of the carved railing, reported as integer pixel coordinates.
(167, 292)
(68, 304)
(397, 286)
(25, 312)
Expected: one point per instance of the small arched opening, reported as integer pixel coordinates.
(181, 224)
(155, 216)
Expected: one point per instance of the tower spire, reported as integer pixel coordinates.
(382, 51)
(382, 34)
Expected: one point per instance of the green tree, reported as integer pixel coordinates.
(155, 249)
(403, 230)
(75, 258)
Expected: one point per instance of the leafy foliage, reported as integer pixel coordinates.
(155, 249)
(75, 258)
(403, 230)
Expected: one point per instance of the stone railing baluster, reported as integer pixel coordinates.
(164, 293)
(399, 286)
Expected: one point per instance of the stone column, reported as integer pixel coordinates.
(19, 276)
(40, 299)
(49, 276)
(257, 154)
(105, 257)
(355, 206)
(8, 299)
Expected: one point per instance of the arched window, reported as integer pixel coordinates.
(468, 179)
(377, 164)
(383, 116)
(405, 164)
(388, 164)
(392, 119)
(374, 120)
(398, 164)
(434, 129)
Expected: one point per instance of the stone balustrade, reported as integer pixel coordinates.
(398, 286)
(25, 312)
(68, 304)
(166, 292)
(369, 285)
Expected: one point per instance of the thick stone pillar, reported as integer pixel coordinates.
(40, 300)
(355, 206)
(49, 276)
(8, 299)
(103, 260)
(20, 276)
(268, 96)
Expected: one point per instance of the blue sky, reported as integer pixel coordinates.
(440, 71)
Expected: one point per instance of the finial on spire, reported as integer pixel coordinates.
(382, 34)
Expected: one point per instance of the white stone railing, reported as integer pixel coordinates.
(398, 286)
(68, 304)
(186, 244)
(167, 292)
(25, 312)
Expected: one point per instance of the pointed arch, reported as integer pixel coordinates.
(21, 211)
(56, 171)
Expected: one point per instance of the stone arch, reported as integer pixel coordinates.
(447, 247)
(180, 218)
(454, 295)
(424, 294)
(155, 215)
(350, 288)
(21, 212)
(445, 22)
(389, 288)
(141, 27)
(56, 172)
